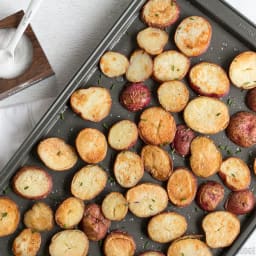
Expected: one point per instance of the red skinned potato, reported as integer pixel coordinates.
(182, 140)
(135, 96)
(242, 129)
(240, 202)
(209, 195)
(251, 99)
(94, 224)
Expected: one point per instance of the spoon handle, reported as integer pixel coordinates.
(29, 14)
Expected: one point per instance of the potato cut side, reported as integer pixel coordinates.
(152, 40)
(93, 103)
(91, 145)
(193, 36)
(27, 243)
(221, 228)
(39, 217)
(166, 227)
(235, 173)
(206, 115)
(114, 206)
(69, 243)
(32, 182)
(157, 162)
(182, 187)
(119, 243)
(69, 213)
(254, 166)
(205, 157)
(146, 199)
(209, 79)
(123, 135)
(128, 169)
(56, 154)
(242, 70)
(9, 216)
(160, 13)
(173, 96)
(152, 253)
(156, 126)
(188, 247)
(88, 182)
(140, 68)
(113, 64)
(170, 65)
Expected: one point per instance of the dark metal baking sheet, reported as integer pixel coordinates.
(228, 40)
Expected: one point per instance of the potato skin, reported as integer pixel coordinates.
(251, 99)
(182, 140)
(242, 129)
(152, 253)
(240, 202)
(94, 224)
(209, 195)
(135, 96)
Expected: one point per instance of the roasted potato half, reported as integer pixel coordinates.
(221, 228)
(119, 243)
(69, 243)
(251, 99)
(27, 243)
(88, 182)
(166, 227)
(114, 206)
(9, 216)
(146, 200)
(32, 182)
(182, 187)
(188, 247)
(69, 213)
(152, 253)
(94, 224)
(39, 217)
(157, 162)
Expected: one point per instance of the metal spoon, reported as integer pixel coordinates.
(7, 54)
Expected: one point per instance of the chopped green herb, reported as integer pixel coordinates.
(238, 150)
(99, 80)
(144, 120)
(172, 151)
(58, 153)
(25, 188)
(178, 69)
(229, 102)
(100, 243)
(62, 116)
(150, 207)
(172, 3)
(254, 81)
(218, 114)
(111, 179)
(105, 125)
(5, 190)
(246, 83)
(179, 28)
(191, 18)
(81, 184)
(221, 147)
(183, 199)
(156, 14)
(172, 67)
(182, 254)
(196, 209)
(3, 215)
(233, 175)
(229, 152)
(145, 245)
(112, 86)
(248, 69)
(64, 226)
(153, 200)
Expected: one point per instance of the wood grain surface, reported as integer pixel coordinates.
(38, 70)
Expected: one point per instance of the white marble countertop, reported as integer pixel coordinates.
(68, 32)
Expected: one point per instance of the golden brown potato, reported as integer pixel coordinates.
(156, 126)
(119, 243)
(69, 213)
(157, 162)
(56, 154)
(27, 243)
(69, 243)
(221, 228)
(94, 224)
(39, 217)
(32, 182)
(182, 187)
(9, 216)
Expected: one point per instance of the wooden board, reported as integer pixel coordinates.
(39, 69)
